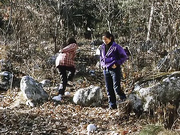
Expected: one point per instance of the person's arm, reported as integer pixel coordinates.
(122, 55)
(69, 48)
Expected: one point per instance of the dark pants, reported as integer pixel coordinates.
(112, 81)
(64, 77)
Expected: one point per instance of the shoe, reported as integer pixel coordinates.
(57, 98)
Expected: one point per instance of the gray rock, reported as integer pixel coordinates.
(5, 80)
(136, 103)
(159, 88)
(90, 96)
(33, 91)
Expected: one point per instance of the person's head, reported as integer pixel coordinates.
(71, 41)
(108, 37)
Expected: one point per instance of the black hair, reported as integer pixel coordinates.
(71, 41)
(109, 35)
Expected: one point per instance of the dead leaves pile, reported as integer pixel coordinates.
(63, 119)
(53, 118)
(56, 118)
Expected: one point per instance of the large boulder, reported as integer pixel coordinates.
(163, 88)
(90, 96)
(5, 80)
(32, 91)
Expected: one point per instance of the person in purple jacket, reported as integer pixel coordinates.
(112, 56)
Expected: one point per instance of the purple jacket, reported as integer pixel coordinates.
(115, 55)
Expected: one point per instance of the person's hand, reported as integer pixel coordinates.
(114, 66)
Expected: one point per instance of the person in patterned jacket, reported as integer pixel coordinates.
(65, 62)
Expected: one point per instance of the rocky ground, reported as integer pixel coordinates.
(56, 118)
(66, 117)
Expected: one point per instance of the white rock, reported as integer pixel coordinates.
(67, 93)
(90, 96)
(57, 98)
(91, 128)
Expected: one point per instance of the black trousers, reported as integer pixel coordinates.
(65, 77)
(112, 81)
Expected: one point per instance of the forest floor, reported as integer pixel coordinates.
(65, 117)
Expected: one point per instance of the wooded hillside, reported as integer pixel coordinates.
(33, 31)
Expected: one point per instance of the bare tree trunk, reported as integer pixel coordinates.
(108, 21)
(109, 25)
(56, 28)
(150, 22)
(9, 23)
(67, 17)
